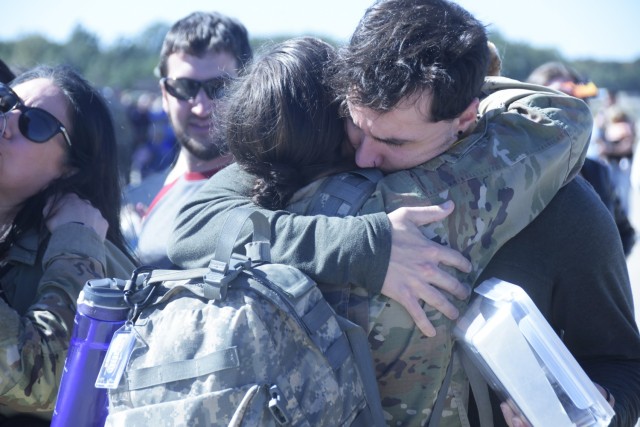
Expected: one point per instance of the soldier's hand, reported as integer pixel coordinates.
(414, 272)
(71, 208)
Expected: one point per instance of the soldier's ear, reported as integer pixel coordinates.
(468, 116)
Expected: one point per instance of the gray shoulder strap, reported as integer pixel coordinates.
(374, 416)
(478, 385)
(344, 194)
(438, 406)
(480, 389)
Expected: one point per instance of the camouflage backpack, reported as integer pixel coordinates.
(243, 342)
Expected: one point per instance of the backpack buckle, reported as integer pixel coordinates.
(217, 279)
(220, 276)
(278, 406)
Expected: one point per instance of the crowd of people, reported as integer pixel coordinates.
(484, 176)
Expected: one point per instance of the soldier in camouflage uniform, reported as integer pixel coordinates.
(501, 172)
(60, 227)
(490, 209)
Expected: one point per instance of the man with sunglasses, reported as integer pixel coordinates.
(201, 53)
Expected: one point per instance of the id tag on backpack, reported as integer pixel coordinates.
(117, 357)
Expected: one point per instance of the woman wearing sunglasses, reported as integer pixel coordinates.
(59, 225)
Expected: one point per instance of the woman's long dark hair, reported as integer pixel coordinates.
(282, 122)
(92, 156)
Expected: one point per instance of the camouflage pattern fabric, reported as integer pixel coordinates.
(42, 278)
(244, 345)
(528, 142)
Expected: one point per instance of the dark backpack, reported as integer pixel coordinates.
(344, 193)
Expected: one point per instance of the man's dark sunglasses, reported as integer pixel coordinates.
(187, 89)
(35, 124)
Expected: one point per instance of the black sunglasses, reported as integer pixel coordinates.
(187, 89)
(35, 124)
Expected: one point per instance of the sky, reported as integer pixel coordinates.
(579, 29)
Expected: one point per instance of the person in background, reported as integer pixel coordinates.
(616, 141)
(560, 76)
(59, 227)
(200, 55)
(138, 117)
(596, 171)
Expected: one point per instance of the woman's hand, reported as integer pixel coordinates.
(71, 208)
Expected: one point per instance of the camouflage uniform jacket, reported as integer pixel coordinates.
(528, 142)
(42, 276)
(525, 146)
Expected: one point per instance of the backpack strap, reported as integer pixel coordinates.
(183, 369)
(480, 390)
(359, 343)
(478, 385)
(254, 398)
(438, 406)
(259, 249)
(159, 276)
(223, 268)
(344, 194)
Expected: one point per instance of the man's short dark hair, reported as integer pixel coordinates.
(406, 47)
(202, 32)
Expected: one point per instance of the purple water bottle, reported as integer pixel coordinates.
(101, 311)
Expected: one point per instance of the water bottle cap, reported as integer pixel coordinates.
(103, 298)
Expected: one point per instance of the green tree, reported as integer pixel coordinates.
(519, 59)
(81, 49)
(32, 50)
(129, 63)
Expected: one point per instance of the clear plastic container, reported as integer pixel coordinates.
(525, 362)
